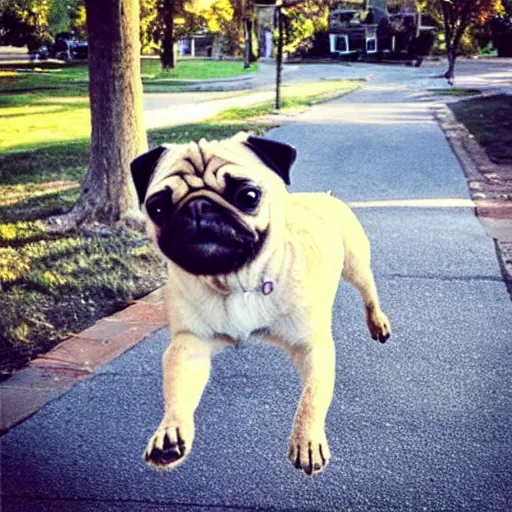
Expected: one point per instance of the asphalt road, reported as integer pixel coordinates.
(421, 423)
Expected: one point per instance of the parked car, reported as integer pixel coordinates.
(66, 47)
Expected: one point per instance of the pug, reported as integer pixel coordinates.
(246, 258)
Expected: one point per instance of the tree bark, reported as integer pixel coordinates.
(455, 25)
(236, 34)
(167, 56)
(118, 135)
(450, 72)
(247, 43)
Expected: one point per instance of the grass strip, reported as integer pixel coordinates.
(293, 97)
(489, 119)
(454, 91)
(72, 79)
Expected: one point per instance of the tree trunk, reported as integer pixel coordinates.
(457, 32)
(167, 54)
(236, 33)
(118, 135)
(247, 43)
(452, 55)
(455, 24)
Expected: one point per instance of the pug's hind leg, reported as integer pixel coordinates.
(308, 447)
(186, 370)
(361, 276)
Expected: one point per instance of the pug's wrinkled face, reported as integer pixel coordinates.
(209, 203)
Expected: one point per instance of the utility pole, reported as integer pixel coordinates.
(279, 57)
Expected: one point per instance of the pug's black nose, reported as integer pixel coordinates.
(199, 208)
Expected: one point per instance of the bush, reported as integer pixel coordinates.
(501, 27)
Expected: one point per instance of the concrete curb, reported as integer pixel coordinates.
(490, 186)
(194, 81)
(51, 374)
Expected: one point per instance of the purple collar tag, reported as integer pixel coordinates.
(267, 287)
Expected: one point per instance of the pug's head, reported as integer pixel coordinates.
(211, 205)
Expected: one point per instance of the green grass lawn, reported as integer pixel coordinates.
(54, 285)
(47, 102)
(63, 79)
(192, 69)
(490, 121)
(455, 91)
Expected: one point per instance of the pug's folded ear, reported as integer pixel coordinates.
(278, 156)
(142, 169)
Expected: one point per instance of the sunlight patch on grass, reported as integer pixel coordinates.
(51, 287)
(42, 125)
(14, 194)
(21, 231)
(7, 74)
(65, 101)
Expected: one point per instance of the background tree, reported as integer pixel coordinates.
(107, 194)
(507, 6)
(211, 16)
(167, 10)
(25, 22)
(188, 17)
(235, 35)
(149, 27)
(58, 16)
(456, 16)
(78, 18)
(302, 22)
(35, 22)
(67, 16)
(215, 17)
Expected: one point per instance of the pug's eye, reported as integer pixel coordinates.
(247, 198)
(159, 206)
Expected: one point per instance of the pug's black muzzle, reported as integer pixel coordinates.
(204, 238)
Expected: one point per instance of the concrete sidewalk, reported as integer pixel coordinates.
(420, 424)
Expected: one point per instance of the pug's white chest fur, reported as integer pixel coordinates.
(237, 315)
(248, 312)
(241, 314)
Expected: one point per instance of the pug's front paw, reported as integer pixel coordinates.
(309, 452)
(378, 325)
(169, 446)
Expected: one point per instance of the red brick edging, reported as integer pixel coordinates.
(73, 360)
(490, 186)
